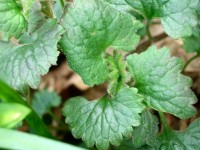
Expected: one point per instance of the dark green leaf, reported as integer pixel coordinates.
(105, 120)
(158, 77)
(92, 26)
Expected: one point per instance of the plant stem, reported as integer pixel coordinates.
(49, 4)
(56, 119)
(164, 122)
(148, 25)
(190, 60)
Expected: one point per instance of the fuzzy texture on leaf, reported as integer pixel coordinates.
(12, 22)
(105, 120)
(22, 65)
(158, 77)
(187, 140)
(92, 26)
(146, 133)
(43, 101)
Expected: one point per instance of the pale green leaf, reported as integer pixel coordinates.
(147, 132)
(92, 26)
(22, 65)
(158, 77)
(12, 22)
(44, 100)
(12, 114)
(105, 120)
(187, 140)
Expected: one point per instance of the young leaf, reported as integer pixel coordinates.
(117, 73)
(12, 114)
(187, 140)
(44, 100)
(158, 78)
(92, 26)
(146, 133)
(104, 121)
(178, 18)
(12, 22)
(22, 65)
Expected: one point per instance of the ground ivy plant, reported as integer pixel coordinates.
(100, 40)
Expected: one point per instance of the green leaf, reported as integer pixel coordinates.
(43, 101)
(187, 140)
(35, 17)
(7, 94)
(58, 8)
(146, 133)
(10, 139)
(92, 26)
(27, 4)
(158, 78)
(12, 114)
(12, 22)
(105, 120)
(178, 18)
(22, 65)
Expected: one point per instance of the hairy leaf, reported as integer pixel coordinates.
(12, 22)
(157, 77)
(105, 120)
(146, 133)
(187, 140)
(22, 65)
(92, 26)
(44, 100)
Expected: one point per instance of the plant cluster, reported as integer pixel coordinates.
(33, 33)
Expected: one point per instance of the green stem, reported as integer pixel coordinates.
(164, 122)
(56, 119)
(190, 60)
(148, 25)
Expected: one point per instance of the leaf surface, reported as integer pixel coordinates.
(146, 133)
(12, 22)
(104, 121)
(158, 78)
(22, 65)
(93, 26)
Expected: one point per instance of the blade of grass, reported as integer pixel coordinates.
(11, 139)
